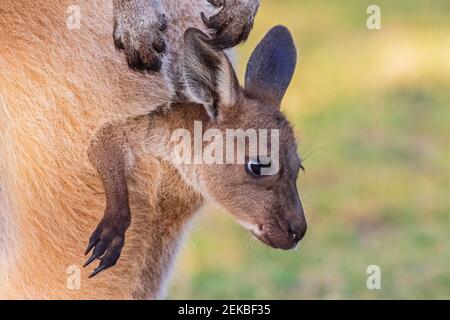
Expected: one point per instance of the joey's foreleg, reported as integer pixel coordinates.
(139, 27)
(110, 155)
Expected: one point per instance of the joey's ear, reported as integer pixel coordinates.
(272, 66)
(208, 74)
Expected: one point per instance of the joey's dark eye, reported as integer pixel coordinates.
(255, 166)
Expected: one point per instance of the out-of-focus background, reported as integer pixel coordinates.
(372, 111)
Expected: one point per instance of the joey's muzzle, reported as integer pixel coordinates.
(286, 227)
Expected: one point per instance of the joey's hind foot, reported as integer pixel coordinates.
(140, 33)
(233, 23)
(107, 241)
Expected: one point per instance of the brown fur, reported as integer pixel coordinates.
(267, 205)
(140, 26)
(57, 88)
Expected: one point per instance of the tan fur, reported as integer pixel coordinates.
(57, 87)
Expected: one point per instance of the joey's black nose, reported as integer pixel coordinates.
(297, 230)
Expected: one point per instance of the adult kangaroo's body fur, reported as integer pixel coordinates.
(57, 88)
(75, 120)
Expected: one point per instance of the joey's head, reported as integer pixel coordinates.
(256, 164)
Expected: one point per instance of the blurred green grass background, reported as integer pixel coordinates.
(372, 112)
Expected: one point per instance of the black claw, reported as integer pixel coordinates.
(97, 271)
(100, 249)
(109, 260)
(216, 3)
(225, 26)
(91, 245)
(89, 248)
(206, 21)
(107, 245)
(89, 261)
(118, 45)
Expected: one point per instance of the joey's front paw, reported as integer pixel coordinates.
(140, 35)
(107, 242)
(233, 23)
